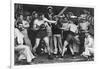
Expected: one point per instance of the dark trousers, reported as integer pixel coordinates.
(32, 36)
(82, 40)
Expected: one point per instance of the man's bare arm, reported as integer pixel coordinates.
(50, 21)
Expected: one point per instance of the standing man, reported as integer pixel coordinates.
(69, 37)
(57, 37)
(40, 25)
(32, 32)
(83, 28)
(25, 33)
(49, 16)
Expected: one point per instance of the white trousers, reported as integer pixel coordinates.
(88, 52)
(25, 52)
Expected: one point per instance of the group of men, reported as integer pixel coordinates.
(56, 33)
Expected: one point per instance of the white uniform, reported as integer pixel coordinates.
(24, 50)
(84, 26)
(88, 46)
(65, 26)
(73, 28)
(19, 36)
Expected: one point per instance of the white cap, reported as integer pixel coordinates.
(50, 7)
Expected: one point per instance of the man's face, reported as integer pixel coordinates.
(84, 21)
(71, 22)
(25, 24)
(28, 17)
(21, 17)
(50, 10)
(56, 19)
(86, 34)
(20, 26)
(36, 15)
(42, 16)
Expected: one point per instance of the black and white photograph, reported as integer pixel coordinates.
(46, 34)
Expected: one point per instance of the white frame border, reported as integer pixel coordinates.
(12, 66)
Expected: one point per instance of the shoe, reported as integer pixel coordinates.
(62, 57)
(55, 52)
(73, 56)
(50, 57)
(34, 53)
(33, 60)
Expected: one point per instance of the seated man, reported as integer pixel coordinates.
(24, 50)
(89, 51)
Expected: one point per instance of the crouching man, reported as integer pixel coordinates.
(89, 50)
(23, 50)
